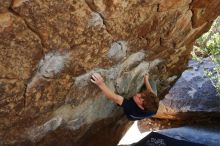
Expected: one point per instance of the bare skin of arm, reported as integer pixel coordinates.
(147, 84)
(99, 81)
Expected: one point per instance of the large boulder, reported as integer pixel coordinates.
(207, 135)
(193, 96)
(197, 134)
(48, 50)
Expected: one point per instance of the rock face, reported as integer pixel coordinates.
(192, 95)
(48, 50)
(203, 135)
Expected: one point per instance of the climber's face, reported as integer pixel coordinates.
(138, 99)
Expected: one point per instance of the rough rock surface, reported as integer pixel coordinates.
(49, 48)
(192, 95)
(202, 135)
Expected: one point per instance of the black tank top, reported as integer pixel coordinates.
(133, 112)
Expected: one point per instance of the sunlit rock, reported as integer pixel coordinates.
(193, 95)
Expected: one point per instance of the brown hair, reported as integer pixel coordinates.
(151, 101)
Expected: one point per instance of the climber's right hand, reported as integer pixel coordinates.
(97, 79)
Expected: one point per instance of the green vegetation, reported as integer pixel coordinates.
(208, 45)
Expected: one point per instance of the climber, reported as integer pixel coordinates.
(142, 105)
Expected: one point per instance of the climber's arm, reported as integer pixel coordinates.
(147, 84)
(98, 80)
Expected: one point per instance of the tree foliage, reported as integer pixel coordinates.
(208, 45)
